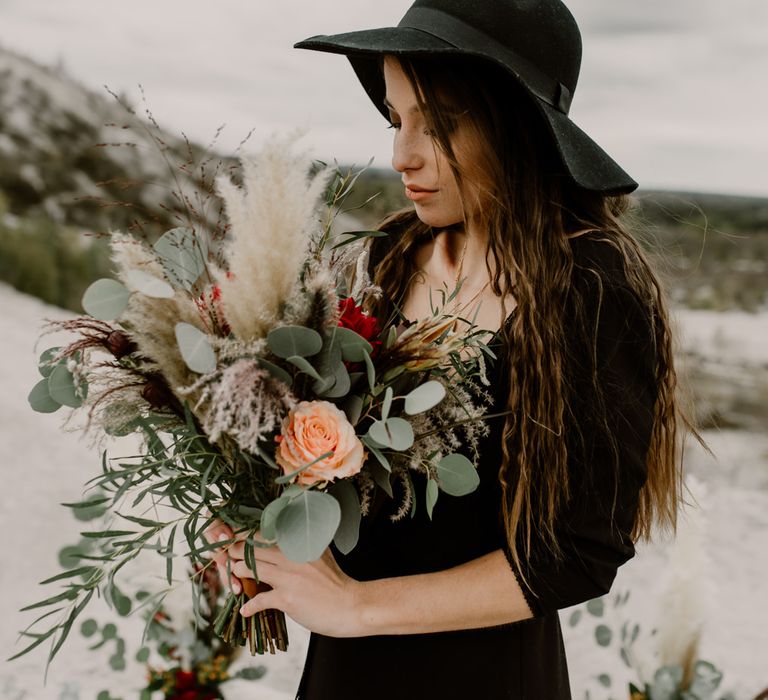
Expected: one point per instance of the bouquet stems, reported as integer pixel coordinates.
(262, 632)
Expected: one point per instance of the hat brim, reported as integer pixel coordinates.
(585, 161)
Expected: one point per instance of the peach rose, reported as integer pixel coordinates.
(312, 429)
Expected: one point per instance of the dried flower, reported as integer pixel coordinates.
(242, 400)
(270, 221)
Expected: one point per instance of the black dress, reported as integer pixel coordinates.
(524, 660)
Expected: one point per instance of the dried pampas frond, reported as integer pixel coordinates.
(152, 320)
(129, 253)
(317, 306)
(242, 401)
(271, 220)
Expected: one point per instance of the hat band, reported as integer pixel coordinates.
(461, 35)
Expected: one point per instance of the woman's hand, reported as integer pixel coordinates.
(219, 531)
(318, 595)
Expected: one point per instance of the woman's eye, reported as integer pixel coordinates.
(394, 125)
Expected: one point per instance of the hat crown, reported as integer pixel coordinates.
(543, 32)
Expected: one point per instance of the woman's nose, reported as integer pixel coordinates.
(407, 152)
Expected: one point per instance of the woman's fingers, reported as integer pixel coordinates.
(228, 576)
(265, 571)
(262, 601)
(270, 554)
(218, 531)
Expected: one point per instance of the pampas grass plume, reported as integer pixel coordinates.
(271, 219)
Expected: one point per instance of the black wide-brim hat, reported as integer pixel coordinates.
(537, 41)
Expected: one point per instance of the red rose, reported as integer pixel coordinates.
(354, 318)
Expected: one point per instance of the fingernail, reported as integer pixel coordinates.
(244, 611)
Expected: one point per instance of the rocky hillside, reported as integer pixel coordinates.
(69, 154)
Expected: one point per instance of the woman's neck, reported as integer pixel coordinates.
(455, 254)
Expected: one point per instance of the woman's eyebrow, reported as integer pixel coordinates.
(389, 105)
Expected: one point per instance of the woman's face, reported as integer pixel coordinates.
(427, 176)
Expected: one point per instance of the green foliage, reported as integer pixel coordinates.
(395, 433)
(307, 525)
(424, 397)
(288, 341)
(348, 531)
(105, 299)
(667, 683)
(457, 475)
(183, 256)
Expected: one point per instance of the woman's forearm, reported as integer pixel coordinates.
(480, 593)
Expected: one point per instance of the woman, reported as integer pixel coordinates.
(510, 196)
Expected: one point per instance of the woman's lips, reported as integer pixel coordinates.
(416, 194)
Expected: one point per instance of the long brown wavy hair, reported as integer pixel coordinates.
(530, 210)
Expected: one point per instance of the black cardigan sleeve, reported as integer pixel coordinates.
(594, 527)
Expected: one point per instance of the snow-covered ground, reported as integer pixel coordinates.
(723, 546)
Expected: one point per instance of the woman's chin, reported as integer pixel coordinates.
(436, 219)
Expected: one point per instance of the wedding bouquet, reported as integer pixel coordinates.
(264, 394)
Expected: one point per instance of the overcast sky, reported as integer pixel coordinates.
(675, 90)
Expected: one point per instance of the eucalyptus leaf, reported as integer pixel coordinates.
(275, 371)
(149, 285)
(353, 408)
(381, 476)
(117, 662)
(89, 627)
(40, 398)
(183, 256)
(390, 337)
(61, 386)
(596, 607)
(106, 299)
(195, 348)
(666, 683)
(287, 341)
(306, 526)
(387, 404)
(603, 635)
(340, 385)
(370, 371)
(269, 517)
(348, 531)
(45, 364)
(353, 346)
(251, 673)
(431, 496)
(573, 620)
(424, 397)
(304, 365)
(375, 449)
(457, 475)
(605, 680)
(395, 433)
